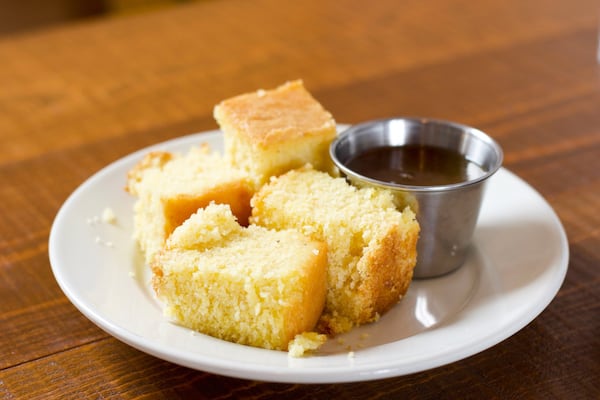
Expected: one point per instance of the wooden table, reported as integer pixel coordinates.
(75, 98)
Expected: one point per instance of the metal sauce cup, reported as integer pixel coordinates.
(446, 213)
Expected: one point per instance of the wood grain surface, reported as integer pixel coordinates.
(77, 97)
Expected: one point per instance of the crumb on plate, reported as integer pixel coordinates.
(305, 343)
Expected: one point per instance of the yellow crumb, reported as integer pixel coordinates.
(305, 343)
(108, 216)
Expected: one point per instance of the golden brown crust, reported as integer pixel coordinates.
(314, 297)
(157, 276)
(273, 116)
(237, 194)
(388, 273)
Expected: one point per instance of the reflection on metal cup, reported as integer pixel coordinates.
(446, 211)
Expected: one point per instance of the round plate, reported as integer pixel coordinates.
(516, 265)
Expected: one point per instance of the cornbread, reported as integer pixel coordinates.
(108, 216)
(248, 285)
(305, 343)
(269, 132)
(371, 245)
(262, 246)
(171, 187)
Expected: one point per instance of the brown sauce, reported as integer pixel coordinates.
(416, 165)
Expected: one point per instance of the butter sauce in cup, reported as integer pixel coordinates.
(438, 168)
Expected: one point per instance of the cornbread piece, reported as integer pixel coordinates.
(305, 343)
(251, 285)
(371, 245)
(171, 187)
(270, 132)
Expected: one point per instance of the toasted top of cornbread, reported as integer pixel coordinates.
(271, 116)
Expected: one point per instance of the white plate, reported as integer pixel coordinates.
(517, 264)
